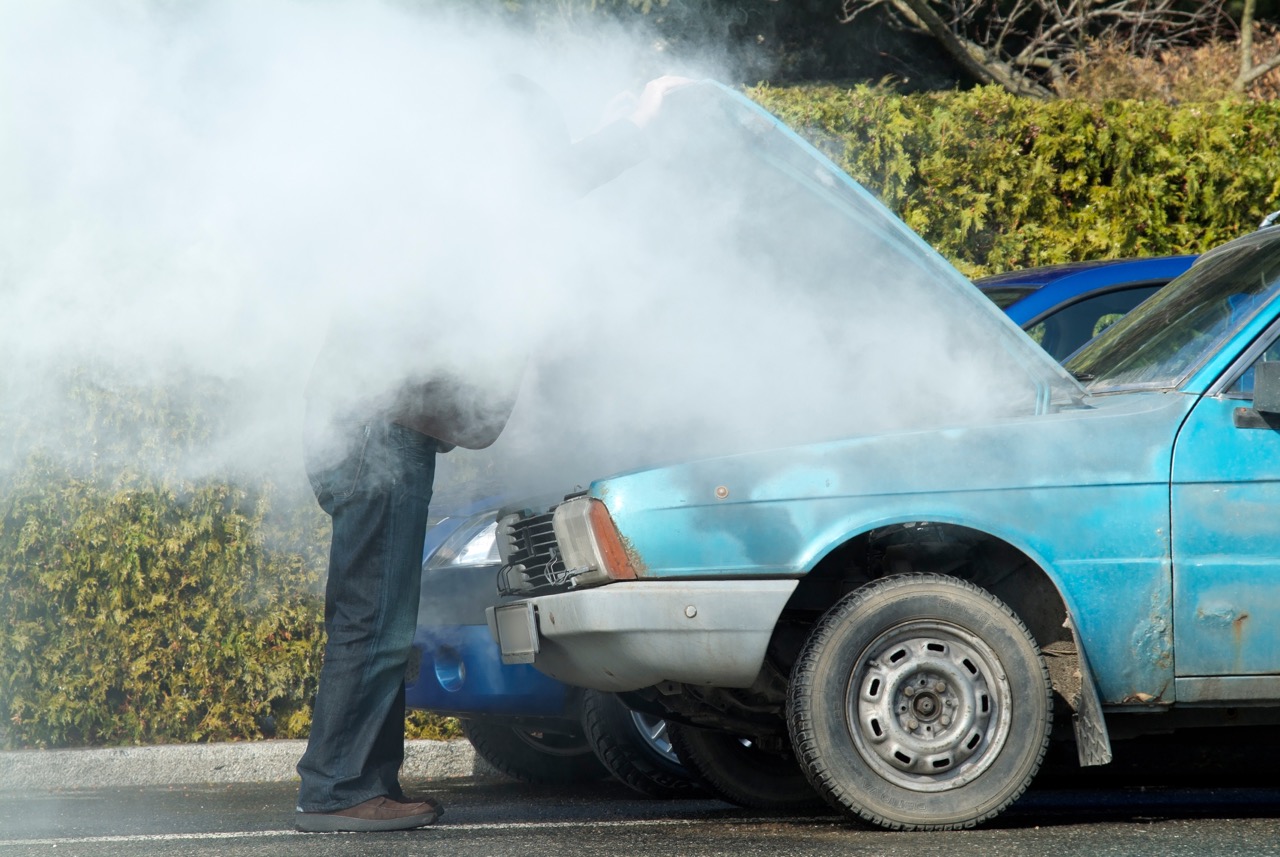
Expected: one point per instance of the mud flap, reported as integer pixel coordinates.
(1093, 744)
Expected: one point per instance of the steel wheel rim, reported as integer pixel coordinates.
(928, 706)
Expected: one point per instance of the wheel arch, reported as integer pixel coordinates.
(1003, 565)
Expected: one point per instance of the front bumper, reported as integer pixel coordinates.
(459, 673)
(457, 669)
(634, 634)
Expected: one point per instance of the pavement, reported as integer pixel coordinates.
(236, 762)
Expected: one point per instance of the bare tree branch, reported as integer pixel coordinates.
(1250, 71)
(1244, 81)
(1031, 47)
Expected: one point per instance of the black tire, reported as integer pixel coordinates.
(634, 747)
(920, 702)
(737, 771)
(534, 756)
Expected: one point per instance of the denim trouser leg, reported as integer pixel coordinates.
(377, 496)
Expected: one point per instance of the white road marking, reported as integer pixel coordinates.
(511, 825)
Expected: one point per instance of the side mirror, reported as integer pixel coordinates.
(1266, 387)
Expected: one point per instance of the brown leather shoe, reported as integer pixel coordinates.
(381, 813)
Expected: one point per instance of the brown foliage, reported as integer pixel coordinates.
(1176, 75)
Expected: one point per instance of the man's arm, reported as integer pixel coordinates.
(603, 156)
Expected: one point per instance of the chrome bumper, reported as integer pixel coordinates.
(634, 634)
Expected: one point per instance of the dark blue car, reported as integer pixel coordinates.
(537, 729)
(1064, 306)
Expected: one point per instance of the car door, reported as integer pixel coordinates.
(1225, 519)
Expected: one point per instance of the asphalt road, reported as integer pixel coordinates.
(1067, 818)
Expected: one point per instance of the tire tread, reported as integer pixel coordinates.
(505, 751)
(622, 758)
(800, 721)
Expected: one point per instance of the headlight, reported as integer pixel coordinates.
(472, 545)
(589, 542)
(574, 545)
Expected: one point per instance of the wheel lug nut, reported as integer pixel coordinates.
(944, 720)
(940, 687)
(913, 725)
(909, 690)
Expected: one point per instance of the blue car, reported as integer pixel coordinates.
(1064, 306)
(537, 729)
(900, 622)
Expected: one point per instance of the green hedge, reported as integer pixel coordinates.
(140, 605)
(995, 182)
(137, 605)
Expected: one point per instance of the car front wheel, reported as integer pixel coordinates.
(920, 702)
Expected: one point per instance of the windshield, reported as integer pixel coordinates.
(1167, 337)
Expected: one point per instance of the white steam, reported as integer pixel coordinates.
(194, 191)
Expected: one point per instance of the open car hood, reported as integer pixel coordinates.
(737, 292)
(828, 239)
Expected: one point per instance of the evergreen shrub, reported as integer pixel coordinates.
(995, 182)
(140, 605)
(137, 604)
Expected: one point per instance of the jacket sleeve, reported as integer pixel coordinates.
(603, 156)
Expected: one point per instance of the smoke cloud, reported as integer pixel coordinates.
(193, 193)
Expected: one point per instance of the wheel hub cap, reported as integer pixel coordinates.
(928, 706)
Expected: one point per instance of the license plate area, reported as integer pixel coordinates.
(517, 626)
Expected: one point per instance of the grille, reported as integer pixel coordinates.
(533, 558)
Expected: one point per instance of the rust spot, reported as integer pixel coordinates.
(1146, 698)
(633, 556)
(1237, 634)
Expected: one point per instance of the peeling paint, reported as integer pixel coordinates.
(1153, 638)
(1219, 614)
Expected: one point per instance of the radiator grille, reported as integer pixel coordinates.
(533, 560)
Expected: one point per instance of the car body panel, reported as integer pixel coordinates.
(782, 511)
(1225, 497)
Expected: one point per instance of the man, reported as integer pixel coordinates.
(371, 461)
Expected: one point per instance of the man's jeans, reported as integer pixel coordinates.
(377, 496)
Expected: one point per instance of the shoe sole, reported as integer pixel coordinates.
(323, 822)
